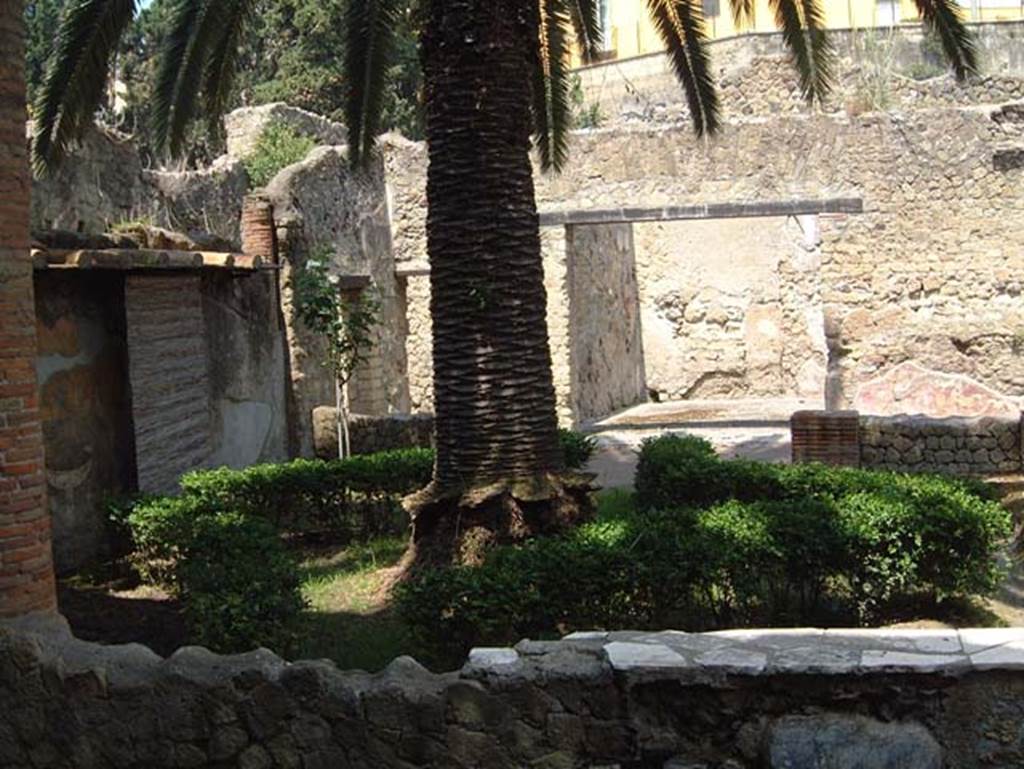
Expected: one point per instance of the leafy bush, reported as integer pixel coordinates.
(278, 147)
(578, 448)
(713, 543)
(354, 497)
(238, 584)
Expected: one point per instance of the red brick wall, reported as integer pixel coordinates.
(26, 567)
(831, 437)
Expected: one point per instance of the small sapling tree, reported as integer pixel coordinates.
(346, 327)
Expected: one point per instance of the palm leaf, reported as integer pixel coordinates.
(76, 76)
(742, 12)
(369, 41)
(586, 23)
(802, 23)
(552, 108)
(946, 19)
(219, 76)
(680, 23)
(199, 29)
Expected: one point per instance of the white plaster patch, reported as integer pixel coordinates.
(926, 640)
(1006, 657)
(493, 658)
(629, 656)
(735, 658)
(978, 639)
(587, 635)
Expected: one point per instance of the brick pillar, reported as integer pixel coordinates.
(258, 237)
(831, 437)
(26, 564)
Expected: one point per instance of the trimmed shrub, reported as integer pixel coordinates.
(238, 583)
(578, 448)
(714, 543)
(354, 498)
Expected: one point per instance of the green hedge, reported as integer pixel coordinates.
(712, 543)
(354, 498)
(238, 584)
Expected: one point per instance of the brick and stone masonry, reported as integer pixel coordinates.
(26, 567)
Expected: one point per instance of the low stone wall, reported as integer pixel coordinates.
(874, 699)
(966, 446)
(957, 445)
(370, 434)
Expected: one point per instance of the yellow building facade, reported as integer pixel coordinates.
(629, 32)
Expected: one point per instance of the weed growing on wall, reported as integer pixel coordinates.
(278, 147)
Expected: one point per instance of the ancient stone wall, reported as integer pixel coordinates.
(167, 354)
(246, 369)
(85, 398)
(927, 273)
(876, 69)
(820, 306)
(370, 434)
(607, 352)
(738, 699)
(977, 447)
(732, 307)
(244, 127)
(324, 210)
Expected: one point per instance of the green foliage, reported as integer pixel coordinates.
(354, 498)
(584, 115)
(239, 585)
(345, 325)
(41, 19)
(713, 543)
(577, 448)
(278, 147)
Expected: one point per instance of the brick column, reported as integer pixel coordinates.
(26, 565)
(258, 237)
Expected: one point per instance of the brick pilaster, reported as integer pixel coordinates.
(26, 565)
(831, 437)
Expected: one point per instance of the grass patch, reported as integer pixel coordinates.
(349, 620)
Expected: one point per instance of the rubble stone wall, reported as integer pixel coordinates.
(324, 210)
(738, 699)
(607, 354)
(888, 69)
(977, 447)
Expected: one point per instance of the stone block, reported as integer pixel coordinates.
(833, 741)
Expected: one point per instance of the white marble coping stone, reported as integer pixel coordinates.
(792, 651)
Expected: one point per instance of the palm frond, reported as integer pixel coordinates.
(586, 23)
(197, 28)
(680, 23)
(369, 41)
(76, 76)
(552, 108)
(802, 23)
(742, 12)
(946, 19)
(219, 76)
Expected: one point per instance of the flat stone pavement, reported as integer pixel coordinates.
(786, 651)
(751, 428)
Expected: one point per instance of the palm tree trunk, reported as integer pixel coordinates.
(499, 472)
(26, 567)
